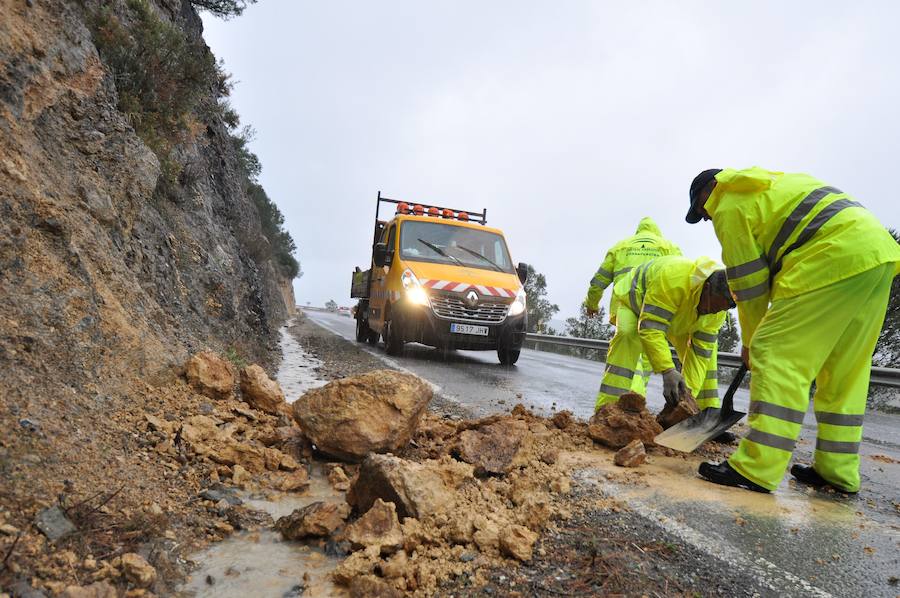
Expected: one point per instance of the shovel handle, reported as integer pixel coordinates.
(728, 403)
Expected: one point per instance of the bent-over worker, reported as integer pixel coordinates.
(645, 244)
(669, 299)
(811, 270)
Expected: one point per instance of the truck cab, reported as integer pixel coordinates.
(440, 277)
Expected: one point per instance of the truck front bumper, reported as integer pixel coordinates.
(419, 324)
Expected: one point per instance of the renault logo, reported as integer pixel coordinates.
(471, 298)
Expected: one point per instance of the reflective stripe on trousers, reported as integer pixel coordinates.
(625, 364)
(827, 335)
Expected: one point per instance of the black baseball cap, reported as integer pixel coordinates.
(700, 181)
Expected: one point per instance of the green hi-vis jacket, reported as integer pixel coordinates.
(646, 244)
(787, 234)
(664, 294)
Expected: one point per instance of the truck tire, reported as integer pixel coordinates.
(506, 355)
(393, 344)
(362, 330)
(373, 337)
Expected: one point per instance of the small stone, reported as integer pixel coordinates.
(517, 541)
(53, 523)
(317, 519)
(8, 530)
(137, 570)
(240, 476)
(631, 455)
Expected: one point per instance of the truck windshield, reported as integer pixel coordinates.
(457, 245)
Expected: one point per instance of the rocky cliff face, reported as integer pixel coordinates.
(102, 276)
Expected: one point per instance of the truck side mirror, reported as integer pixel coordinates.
(522, 271)
(381, 256)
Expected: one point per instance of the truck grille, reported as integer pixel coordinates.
(452, 308)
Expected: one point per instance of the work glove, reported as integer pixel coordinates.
(673, 386)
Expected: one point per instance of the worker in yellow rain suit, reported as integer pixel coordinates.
(669, 299)
(646, 244)
(811, 270)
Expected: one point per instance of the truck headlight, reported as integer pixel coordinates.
(415, 294)
(518, 305)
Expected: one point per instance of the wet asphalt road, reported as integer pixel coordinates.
(798, 542)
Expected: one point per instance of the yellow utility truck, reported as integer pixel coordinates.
(439, 276)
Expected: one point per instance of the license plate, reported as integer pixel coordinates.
(468, 329)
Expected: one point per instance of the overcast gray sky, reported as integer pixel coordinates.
(568, 121)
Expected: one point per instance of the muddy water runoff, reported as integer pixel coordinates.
(260, 563)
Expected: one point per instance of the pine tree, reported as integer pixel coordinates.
(540, 310)
(729, 336)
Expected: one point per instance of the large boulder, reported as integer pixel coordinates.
(617, 424)
(375, 412)
(378, 527)
(318, 519)
(210, 375)
(494, 449)
(260, 391)
(416, 489)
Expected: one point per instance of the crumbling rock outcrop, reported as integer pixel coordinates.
(375, 412)
(616, 424)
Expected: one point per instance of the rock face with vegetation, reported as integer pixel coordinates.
(133, 232)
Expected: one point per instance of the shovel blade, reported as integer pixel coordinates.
(687, 435)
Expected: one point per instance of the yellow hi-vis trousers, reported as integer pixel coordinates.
(628, 369)
(827, 335)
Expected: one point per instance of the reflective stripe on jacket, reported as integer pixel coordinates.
(787, 234)
(646, 244)
(664, 294)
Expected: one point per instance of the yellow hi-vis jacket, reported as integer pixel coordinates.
(646, 244)
(664, 294)
(787, 234)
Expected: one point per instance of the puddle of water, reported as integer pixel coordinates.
(297, 372)
(260, 563)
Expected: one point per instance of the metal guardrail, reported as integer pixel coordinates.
(879, 376)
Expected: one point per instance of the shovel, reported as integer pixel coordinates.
(689, 434)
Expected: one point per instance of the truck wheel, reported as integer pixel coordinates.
(506, 355)
(393, 344)
(362, 330)
(373, 337)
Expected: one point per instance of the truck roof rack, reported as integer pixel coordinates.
(479, 217)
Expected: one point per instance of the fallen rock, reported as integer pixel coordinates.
(680, 411)
(617, 424)
(378, 527)
(99, 589)
(517, 541)
(260, 391)
(375, 412)
(563, 419)
(631, 455)
(493, 449)
(295, 481)
(370, 586)
(338, 479)
(240, 476)
(137, 570)
(318, 519)
(417, 489)
(252, 458)
(53, 523)
(210, 375)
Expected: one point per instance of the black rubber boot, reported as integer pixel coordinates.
(725, 437)
(805, 474)
(724, 475)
